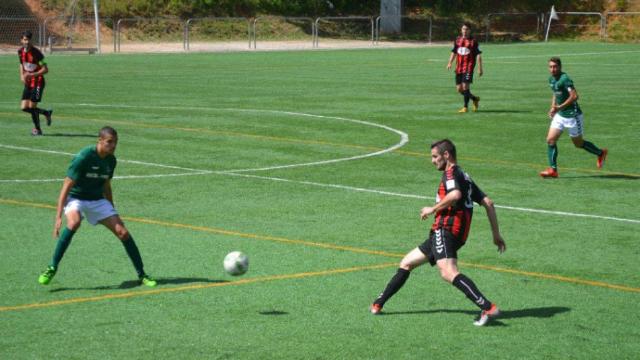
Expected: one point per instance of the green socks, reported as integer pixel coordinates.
(63, 243)
(590, 147)
(134, 255)
(552, 154)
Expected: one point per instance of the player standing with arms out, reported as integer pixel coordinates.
(453, 211)
(565, 113)
(86, 192)
(467, 52)
(32, 70)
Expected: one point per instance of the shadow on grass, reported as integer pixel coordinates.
(130, 284)
(498, 111)
(603, 176)
(273, 312)
(71, 135)
(542, 312)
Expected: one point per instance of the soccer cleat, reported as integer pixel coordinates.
(486, 315)
(463, 110)
(148, 280)
(36, 132)
(376, 309)
(549, 173)
(47, 115)
(47, 275)
(476, 103)
(602, 157)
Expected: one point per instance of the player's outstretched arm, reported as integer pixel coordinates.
(487, 203)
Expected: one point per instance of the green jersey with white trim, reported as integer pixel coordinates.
(90, 173)
(560, 88)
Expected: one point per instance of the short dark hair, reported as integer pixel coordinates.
(107, 130)
(445, 145)
(28, 34)
(556, 60)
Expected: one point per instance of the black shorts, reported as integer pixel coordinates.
(464, 78)
(441, 244)
(33, 93)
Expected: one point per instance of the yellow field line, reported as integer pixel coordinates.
(326, 143)
(552, 277)
(164, 290)
(340, 247)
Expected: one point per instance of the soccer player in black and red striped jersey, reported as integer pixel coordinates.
(467, 52)
(453, 211)
(32, 70)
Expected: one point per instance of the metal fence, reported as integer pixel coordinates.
(228, 33)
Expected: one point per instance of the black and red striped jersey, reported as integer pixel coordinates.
(466, 50)
(457, 218)
(31, 61)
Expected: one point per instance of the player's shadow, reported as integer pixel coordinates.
(504, 111)
(542, 312)
(71, 135)
(130, 284)
(273, 312)
(603, 176)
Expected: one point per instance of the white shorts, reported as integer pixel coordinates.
(573, 124)
(93, 210)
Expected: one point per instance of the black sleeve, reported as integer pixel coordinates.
(476, 193)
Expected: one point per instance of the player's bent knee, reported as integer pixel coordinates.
(123, 234)
(73, 225)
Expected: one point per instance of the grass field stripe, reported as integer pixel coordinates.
(163, 290)
(506, 207)
(223, 231)
(261, 237)
(312, 142)
(343, 248)
(553, 277)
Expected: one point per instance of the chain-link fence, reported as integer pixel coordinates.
(77, 32)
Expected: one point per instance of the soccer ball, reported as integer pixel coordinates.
(236, 263)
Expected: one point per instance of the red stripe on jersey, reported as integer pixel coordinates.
(466, 50)
(32, 56)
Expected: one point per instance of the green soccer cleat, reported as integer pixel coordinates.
(47, 275)
(148, 280)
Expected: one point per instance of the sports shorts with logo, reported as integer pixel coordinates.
(464, 78)
(572, 124)
(441, 244)
(33, 94)
(94, 210)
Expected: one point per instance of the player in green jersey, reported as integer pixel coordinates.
(565, 113)
(86, 192)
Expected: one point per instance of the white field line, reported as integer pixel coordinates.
(413, 196)
(489, 58)
(324, 185)
(404, 137)
(192, 172)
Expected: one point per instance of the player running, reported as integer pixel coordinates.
(453, 211)
(467, 52)
(86, 192)
(565, 113)
(32, 70)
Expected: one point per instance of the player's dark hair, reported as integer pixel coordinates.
(556, 60)
(28, 34)
(445, 145)
(467, 25)
(107, 130)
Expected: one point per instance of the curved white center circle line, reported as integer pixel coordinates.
(404, 138)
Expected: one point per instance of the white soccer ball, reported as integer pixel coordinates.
(236, 263)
